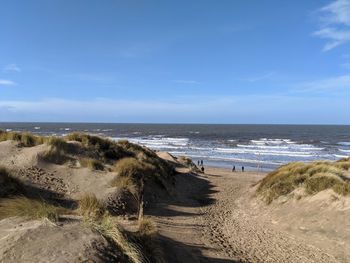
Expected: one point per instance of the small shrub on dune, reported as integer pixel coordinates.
(8, 184)
(92, 164)
(29, 208)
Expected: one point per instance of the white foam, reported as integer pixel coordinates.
(344, 143)
(264, 152)
(341, 156)
(37, 128)
(8, 130)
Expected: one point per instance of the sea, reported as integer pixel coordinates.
(256, 147)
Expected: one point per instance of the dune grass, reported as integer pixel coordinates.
(92, 164)
(54, 155)
(21, 206)
(148, 239)
(60, 144)
(110, 228)
(24, 139)
(313, 177)
(126, 183)
(91, 208)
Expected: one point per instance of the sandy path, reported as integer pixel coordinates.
(212, 220)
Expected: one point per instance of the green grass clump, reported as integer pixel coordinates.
(29, 209)
(92, 164)
(24, 139)
(9, 185)
(314, 177)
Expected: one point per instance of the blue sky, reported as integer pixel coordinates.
(193, 61)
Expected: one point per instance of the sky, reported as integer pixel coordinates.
(183, 61)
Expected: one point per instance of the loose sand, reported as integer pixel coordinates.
(216, 217)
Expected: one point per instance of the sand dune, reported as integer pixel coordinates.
(213, 217)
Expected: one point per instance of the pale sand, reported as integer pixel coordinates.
(216, 217)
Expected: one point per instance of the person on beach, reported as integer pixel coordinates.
(202, 169)
(198, 162)
(201, 162)
(233, 168)
(242, 169)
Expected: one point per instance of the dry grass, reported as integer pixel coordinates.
(91, 208)
(149, 241)
(109, 228)
(8, 184)
(314, 177)
(54, 155)
(130, 167)
(125, 183)
(23, 139)
(147, 227)
(29, 208)
(60, 144)
(95, 215)
(92, 164)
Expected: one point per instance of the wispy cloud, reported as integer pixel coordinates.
(335, 24)
(12, 67)
(186, 81)
(6, 82)
(329, 85)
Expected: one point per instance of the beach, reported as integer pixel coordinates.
(217, 218)
(119, 201)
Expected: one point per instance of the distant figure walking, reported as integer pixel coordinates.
(202, 162)
(242, 169)
(198, 162)
(233, 168)
(202, 169)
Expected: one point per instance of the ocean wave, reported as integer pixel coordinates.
(155, 142)
(244, 160)
(343, 143)
(345, 151)
(301, 147)
(262, 152)
(341, 156)
(272, 141)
